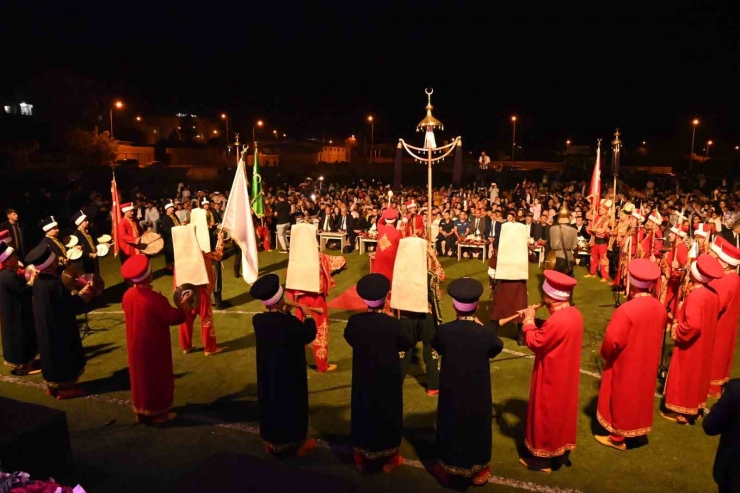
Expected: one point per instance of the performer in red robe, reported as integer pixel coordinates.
(129, 233)
(598, 228)
(148, 317)
(651, 246)
(632, 350)
(413, 222)
(728, 290)
(694, 331)
(673, 265)
(552, 413)
(301, 247)
(203, 307)
(388, 239)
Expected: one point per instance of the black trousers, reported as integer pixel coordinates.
(445, 245)
(422, 327)
(237, 259)
(218, 281)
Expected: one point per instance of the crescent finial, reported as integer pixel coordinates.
(429, 92)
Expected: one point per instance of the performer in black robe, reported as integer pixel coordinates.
(88, 262)
(16, 316)
(282, 383)
(62, 357)
(169, 221)
(464, 412)
(377, 382)
(50, 227)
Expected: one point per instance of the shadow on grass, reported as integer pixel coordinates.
(240, 299)
(238, 407)
(119, 380)
(511, 422)
(245, 342)
(282, 264)
(96, 350)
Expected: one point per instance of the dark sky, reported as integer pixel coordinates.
(568, 69)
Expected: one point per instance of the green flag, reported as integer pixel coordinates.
(258, 198)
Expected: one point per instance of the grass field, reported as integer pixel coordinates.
(216, 397)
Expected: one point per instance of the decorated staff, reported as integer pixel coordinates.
(307, 282)
(377, 380)
(674, 264)
(193, 265)
(632, 350)
(598, 228)
(552, 414)
(60, 345)
(88, 261)
(16, 314)
(282, 382)
(728, 290)
(464, 413)
(169, 221)
(148, 317)
(693, 331)
(415, 295)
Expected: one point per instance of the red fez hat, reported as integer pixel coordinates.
(136, 268)
(390, 214)
(643, 273)
(558, 286)
(702, 230)
(706, 269)
(726, 251)
(410, 203)
(128, 206)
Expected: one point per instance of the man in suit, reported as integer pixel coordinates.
(326, 220)
(724, 420)
(346, 223)
(541, 230)
(732, 234)
(16, 231)
(479, 223)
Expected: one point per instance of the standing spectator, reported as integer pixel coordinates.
(15, 229)
(724, 420)
(151, 216)
(282, 215)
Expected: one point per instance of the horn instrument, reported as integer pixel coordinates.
(518, 314)
(293, 304)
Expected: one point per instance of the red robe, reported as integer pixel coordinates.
(632, 350)
(552, 413)
(148, 317)
(672, 277)
(691, 364)
(327, 265)
(648, 247)
(129, 232)
(385, 254)
(728, 290)
(414, 226)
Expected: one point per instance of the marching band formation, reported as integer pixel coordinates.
(681, 286)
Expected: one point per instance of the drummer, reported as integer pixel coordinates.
(88, 261)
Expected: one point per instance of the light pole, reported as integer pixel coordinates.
(138, 118)
(372, 138)
(118, 105)
(709, 144)
(258, 124)
(693, 134)
(513, 141)
(428, 124)
(226, 119)
(274, 132)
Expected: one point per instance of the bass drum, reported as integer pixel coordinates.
(151, 244)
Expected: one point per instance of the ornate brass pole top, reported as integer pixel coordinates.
(429, 120)
(616, 142)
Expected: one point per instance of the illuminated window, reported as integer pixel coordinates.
(8, 109)
(26, 109)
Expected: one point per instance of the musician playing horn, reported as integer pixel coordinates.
(148, 317)
(282, 382)
(16, 314)
(60, 345)
(632, 350)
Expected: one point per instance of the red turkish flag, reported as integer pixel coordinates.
(115, 213)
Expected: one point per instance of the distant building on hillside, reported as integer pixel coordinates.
(333, 154)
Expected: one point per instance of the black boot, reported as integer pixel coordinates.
(220, 305)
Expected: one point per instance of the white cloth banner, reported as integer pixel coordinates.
(409, 290)
(513, 263)
(237, 219)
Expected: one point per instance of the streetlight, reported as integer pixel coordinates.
(513, 141)
(226, 119)
(258, 124)
(138, 118)
(118, 105)
(709, 144)
(372, 138)
(693, 134)
(215, 132)
(274, 132)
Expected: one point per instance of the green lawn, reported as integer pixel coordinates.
(217, 398)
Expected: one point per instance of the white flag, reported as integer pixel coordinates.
(238, 220)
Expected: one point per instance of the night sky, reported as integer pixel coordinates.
(571, 70)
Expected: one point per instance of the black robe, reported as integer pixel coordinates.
(464, 409)
(282, 382)
(377, 382)
(16, 320)
(88, 264)
(169, 222)
(62, 356)
(60, 252)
